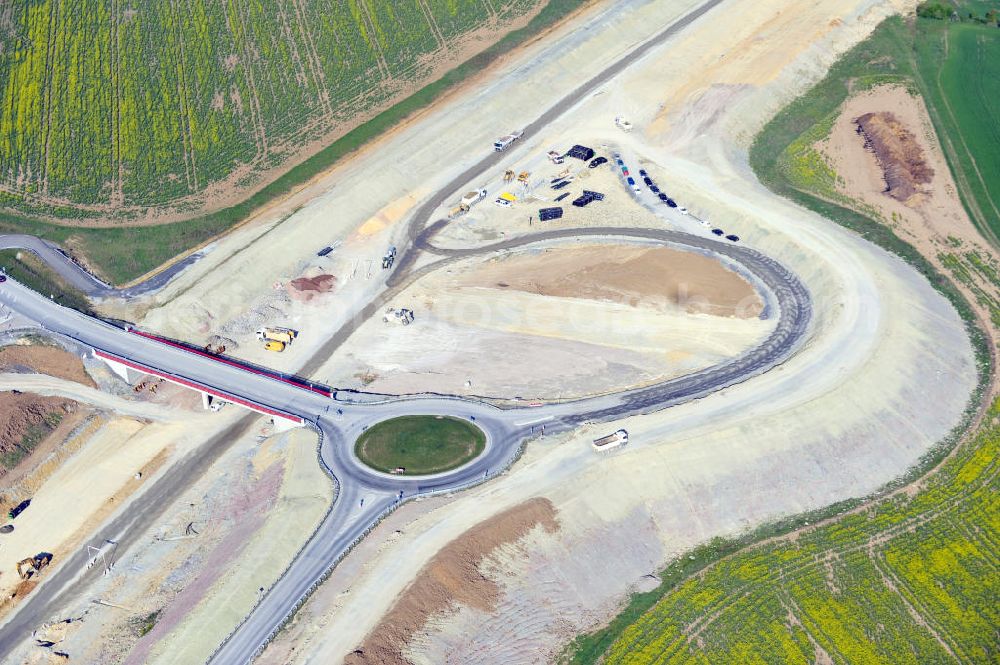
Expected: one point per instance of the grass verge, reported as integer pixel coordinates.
(420, 444)
(28, 269)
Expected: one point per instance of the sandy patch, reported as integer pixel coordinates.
(631, 275)
(85, 489)
(452, 577)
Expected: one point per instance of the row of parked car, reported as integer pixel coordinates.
(669, 202)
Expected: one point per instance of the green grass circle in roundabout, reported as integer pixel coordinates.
(419, 445)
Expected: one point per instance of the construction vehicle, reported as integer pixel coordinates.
(619, 438)
(472, 198)
(18, 509)
(523, 176)
(503, 142)
(215, 349)
(508, 175)
(389, 258)
(555, 157)
(28, 568)
(623, 124)
(283, 335)
(403, 316)
(505, 200)
(458, 211)
(274, 345)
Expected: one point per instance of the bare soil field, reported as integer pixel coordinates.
(25, 420)
(628, 275)
(453, 577)
(556, 321)
(50, 360)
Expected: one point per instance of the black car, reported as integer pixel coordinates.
(642, 172)
(654, 189)
(718, 232)
(18, 509)
(733, 238)
(597, 161)
(648, 181)
(663, 197)
(3, 278)
(671, 203)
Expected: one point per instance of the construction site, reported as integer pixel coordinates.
(611, 248)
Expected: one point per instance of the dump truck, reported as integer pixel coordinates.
(619, 438)
(504, 142)
(508, 175)
(523, 177)
(284, 335)
(458, 211)
(472, 198)
(274, 345)
(28, 568)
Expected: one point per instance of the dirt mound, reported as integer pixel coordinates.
(633, 275)
(305, 289)
(44, 360)
(900, 156)
(25, 419)
(451, 577)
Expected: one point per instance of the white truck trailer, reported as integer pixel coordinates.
(503, 142)
(619, 438)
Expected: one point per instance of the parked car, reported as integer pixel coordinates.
(597, 161)
(631, 181)
(671, 203)
(642, 172)
(718, 232)
(733, 238)
(3, 278)
(654, 189)
(663, 197)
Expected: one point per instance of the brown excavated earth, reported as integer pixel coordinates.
(904, 166)
(632, 275)
(21, 411)
(49, 360)
(451, 578)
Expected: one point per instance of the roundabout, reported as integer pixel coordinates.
(419, 445)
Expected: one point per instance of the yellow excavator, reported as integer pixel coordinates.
(28, 568)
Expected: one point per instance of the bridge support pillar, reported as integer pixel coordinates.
(128, 374)
(206, 401)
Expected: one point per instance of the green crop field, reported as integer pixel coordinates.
(959, 70)
(420, 444)
(123, 105)
(103, 188)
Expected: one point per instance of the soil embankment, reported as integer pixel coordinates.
(900, 156)
(452, 577)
